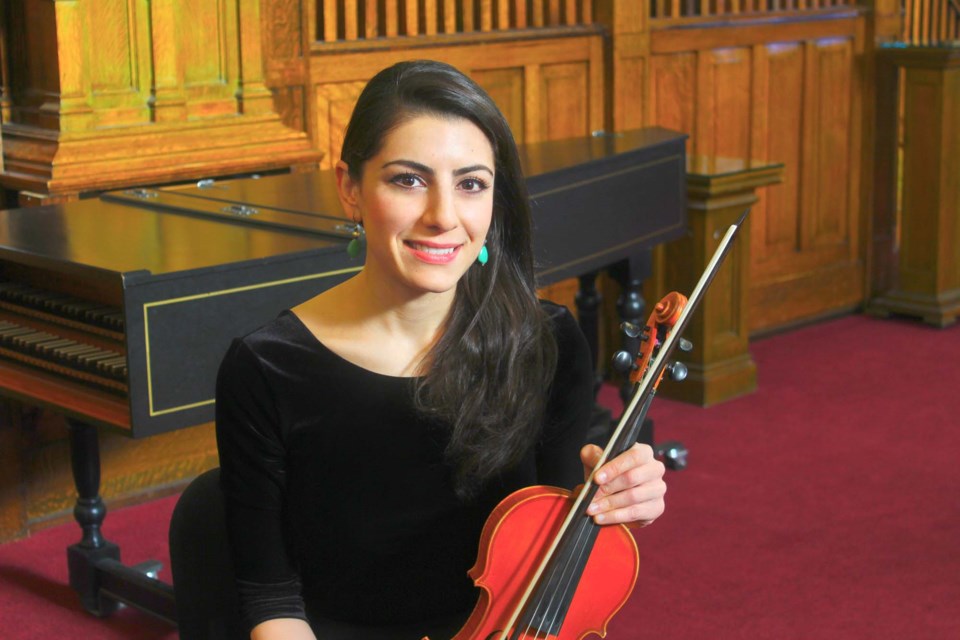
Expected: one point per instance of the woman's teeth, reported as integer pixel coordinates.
(437, 251)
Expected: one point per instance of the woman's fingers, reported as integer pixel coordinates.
(630, 487)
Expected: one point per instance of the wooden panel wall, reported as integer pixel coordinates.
(789, 93)
(548, 88)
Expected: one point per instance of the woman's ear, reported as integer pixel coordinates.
(348, 191)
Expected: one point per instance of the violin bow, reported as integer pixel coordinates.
(623, 436)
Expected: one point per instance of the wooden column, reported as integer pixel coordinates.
(879, 149)
(629, 51)
(720, 365)
(927, 281)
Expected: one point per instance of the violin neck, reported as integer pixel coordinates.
(625, 438)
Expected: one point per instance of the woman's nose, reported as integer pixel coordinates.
(441, 212)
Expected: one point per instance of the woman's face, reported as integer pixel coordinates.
(426, 202)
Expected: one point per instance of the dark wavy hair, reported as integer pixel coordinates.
(489, 374)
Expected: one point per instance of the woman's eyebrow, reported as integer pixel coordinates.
(416, 166)
(472, 168)
(422, 168)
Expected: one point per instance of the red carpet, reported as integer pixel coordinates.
(826, 505)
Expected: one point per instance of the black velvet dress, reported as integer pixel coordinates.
(340, 508)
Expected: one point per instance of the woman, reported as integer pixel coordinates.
(366, 434)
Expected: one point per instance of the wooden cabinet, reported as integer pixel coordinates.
(100, 94)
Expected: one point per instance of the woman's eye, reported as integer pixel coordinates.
(474, 184)
(407, 180)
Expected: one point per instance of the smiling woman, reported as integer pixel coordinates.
(366, 434)
(426, 202)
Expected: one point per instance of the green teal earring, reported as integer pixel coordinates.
(484, 255)
(356, 243)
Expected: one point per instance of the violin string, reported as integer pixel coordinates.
(569, 578)
(547, 588)
(559, 587)
(547, 556)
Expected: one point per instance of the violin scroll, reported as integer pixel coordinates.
(665, 315)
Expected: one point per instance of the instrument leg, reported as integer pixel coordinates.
(588, 305)
(96, 573)
(89, 512)
(588, 301)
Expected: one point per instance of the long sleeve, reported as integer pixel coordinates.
(253, 473)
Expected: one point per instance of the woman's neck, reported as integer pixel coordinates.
(376, 327)
(398, 311)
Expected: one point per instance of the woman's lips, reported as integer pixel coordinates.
(434, 253)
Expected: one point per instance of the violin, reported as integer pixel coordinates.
(545, 569)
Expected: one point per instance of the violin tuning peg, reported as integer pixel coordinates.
(632, 330)
(622, 362)
(678, 371)
(684, 345)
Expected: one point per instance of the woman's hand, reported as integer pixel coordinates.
(630, 486)
(282, 629)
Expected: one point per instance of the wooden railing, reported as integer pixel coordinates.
(353, 20)
(672, 9)
(931, 22)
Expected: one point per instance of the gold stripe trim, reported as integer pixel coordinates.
(622, 245)
(211, 294)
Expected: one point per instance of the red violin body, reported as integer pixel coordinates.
(514, 540)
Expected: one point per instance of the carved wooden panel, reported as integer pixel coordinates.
(673, 91)
(564, 100)
(779, 106)
(631, 74)
(209, 45)
(505, 86)
(119, 73)
(830, 161)
(723, 103)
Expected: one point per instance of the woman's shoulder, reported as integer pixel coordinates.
(272, 340)
(562, 321)
(285, 328)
